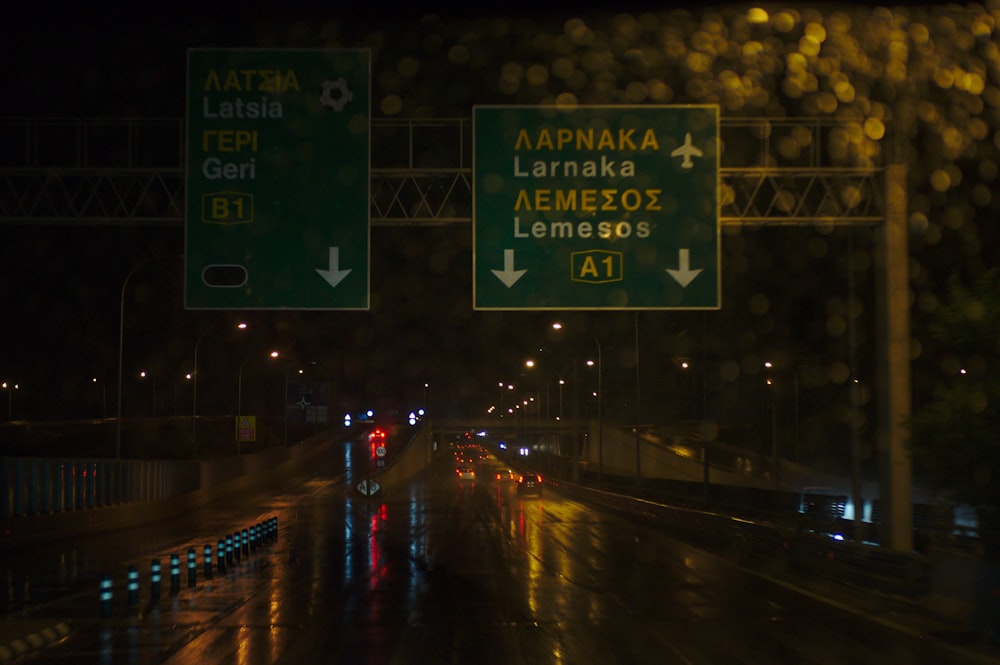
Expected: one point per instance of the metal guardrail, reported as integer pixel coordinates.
(31, 486)
(901, 573)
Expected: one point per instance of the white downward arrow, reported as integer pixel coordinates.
(508, 275)
(334, 275)
(684, 275)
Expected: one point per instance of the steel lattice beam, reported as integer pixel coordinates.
(79, 189)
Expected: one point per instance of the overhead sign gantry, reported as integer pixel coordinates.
(596, 207)
(277, 187)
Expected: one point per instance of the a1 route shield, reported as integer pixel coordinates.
(596, 207)
(277, 199)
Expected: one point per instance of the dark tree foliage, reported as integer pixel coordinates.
(956, 435)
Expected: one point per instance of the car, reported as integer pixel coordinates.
(466, 473)
(529, 483)
(506, 475)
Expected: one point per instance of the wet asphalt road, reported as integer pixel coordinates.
(437, 571)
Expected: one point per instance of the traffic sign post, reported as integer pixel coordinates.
(596, 207)
(277, 187)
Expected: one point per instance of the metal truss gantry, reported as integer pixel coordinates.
(105, 172)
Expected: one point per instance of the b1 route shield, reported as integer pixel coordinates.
(277, 187)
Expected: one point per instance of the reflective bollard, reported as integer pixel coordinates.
(192, 567)
(207, 553)
(154, 580)
(175, 573)
(105, 596)
(221, 556)
(133, 586)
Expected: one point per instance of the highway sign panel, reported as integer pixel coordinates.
(277, 187)
(596, 207)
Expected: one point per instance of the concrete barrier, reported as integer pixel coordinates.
(156, 490)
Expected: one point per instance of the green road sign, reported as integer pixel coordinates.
(596, 207)
(277, 188)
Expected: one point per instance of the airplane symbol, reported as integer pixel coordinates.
(687, 151)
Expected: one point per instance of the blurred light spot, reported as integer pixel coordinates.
(391, 105)
(459, 55)
(408, 66)
(537, 75)
(758, 304)
(978, 402)
(874, 129)
(839, 372)
(566, 100)
(940, 180)
(785, 21)
(562, 68)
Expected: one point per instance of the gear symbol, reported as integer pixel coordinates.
(335, 94)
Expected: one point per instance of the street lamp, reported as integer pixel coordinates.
(600, 419)
(239, 397)
(121, 347)
(284, 400)
(143, 375)
(104, 397)
(774, 417)
(242, 325)
(576, 411)
(10, 388)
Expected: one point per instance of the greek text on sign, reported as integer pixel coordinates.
(277, 212)
(596, 207)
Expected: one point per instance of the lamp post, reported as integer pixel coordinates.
(284, 403)
(104, 397)
(143, 375)
(10, 388)
(562, 382)
(774, 418)
(121, 346)
(600, 416)
(242, 325)
(239, 398)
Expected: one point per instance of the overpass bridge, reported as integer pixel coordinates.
(509, 427)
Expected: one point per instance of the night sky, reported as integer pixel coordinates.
(785, 291)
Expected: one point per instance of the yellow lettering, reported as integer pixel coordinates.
(544, 140)
(543, 199)
(523, 141)
(649, 141)
(212, 80)
(523, 202)
(589, 268)
(232, 81)
(581, 139)
(565, 199)
(606, 140)
(252, 80)
(564, 136)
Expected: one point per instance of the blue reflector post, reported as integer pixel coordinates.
(154, 580)
(133, 586)
(175, 573)
(105, 596)
(192, 567)
(207, 552)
